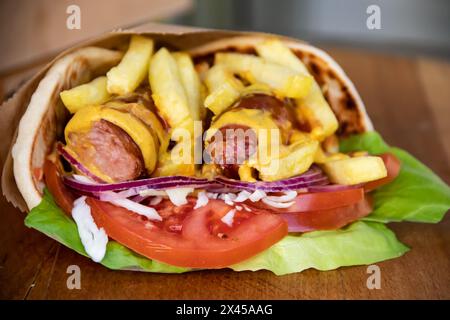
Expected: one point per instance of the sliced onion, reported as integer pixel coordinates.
(288, 196)
(257, 195)
(178, 196)
(242, 196)
(156, 200)
(229, 217)
(332, 187)
(139, 185)
(110, 196)
(145, 211)
(275, 186)
(228, 198)
(277, 204)
(74, 162)
(202, 200)
(139, 198)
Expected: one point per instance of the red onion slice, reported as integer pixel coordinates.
(138, 185)
(333, 187)
(274, 186)
(74, 162)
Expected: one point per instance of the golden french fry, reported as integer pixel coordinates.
(224, 89)
(92, 93)
(273, 50)
(191, 83)
(129, 73)
(168, 91)
(285, 81)
(293, 160)
(256, 88)
(313, 106)
(355, 170)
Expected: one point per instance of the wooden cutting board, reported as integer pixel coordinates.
(408, 101)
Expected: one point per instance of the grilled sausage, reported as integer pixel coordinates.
(110, 149)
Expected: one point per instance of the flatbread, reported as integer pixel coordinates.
(45, 115)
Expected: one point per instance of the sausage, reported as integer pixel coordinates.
(231, 153)
(282, 111)
(231, 146)
(110, 149)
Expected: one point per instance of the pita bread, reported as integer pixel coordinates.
(337, 88)
(44, 118)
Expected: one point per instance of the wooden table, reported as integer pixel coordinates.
(408, 100)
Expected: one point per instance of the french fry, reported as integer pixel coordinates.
(168, 91)
(356, 170)
(191, 83)
(92, 93)
(285, 81)
(256, 88)
(275, 51)
(224, 89)
(129, 73)
(313, 106)
(293, 160)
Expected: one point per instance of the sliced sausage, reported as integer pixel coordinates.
(110, 149)
(231, 146)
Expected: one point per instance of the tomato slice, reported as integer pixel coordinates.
(393, 166)
(62, 195)
(195, 241)
(315, 201)
(331, 219)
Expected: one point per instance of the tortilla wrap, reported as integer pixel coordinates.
(45, 116)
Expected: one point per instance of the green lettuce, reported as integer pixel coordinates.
(416, 195)
(361, 243)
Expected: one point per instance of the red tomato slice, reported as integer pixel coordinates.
(186, 237)
(62, 195)
(195, 241)
(315, 201)
(393, 166)
(331, 219)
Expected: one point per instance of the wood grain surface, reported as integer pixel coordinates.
(408, 100)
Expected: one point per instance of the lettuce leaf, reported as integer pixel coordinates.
(360, 243)
(416, 195)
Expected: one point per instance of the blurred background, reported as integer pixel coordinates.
(32, 31)
(407, 26)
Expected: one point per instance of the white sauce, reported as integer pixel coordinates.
(94, 240)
